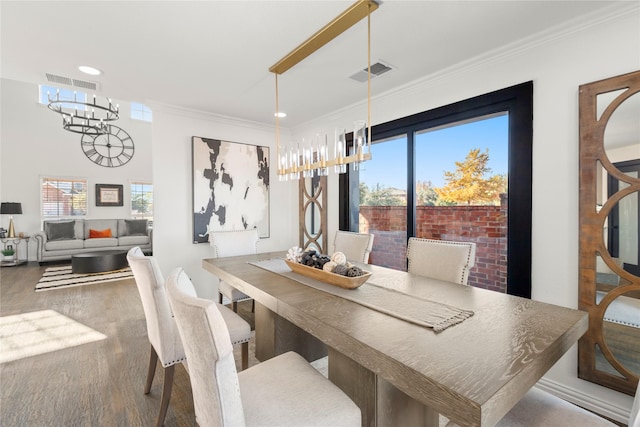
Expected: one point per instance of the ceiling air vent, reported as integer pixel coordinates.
(58, 79)
(376, 69)
(84, 84)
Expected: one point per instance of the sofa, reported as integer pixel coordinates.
(60, 239)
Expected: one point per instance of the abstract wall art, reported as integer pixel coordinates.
(230, 187)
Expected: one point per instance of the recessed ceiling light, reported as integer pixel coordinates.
(89, 70)
(280, 114)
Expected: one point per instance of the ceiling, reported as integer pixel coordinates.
(214, 56)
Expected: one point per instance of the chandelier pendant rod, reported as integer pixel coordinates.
(337, 26)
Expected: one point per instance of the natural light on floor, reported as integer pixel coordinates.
(38, 332)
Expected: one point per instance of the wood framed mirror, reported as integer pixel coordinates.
(609, 353)
(313, 213)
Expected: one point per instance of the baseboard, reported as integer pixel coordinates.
(583, 400)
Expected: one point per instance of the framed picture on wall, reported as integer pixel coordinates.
(230, 187)
(109, 195)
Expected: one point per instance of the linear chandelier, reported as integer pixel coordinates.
(314, 158)
(87, 118)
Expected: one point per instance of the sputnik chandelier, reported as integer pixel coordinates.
(310, 159)
(82, 116)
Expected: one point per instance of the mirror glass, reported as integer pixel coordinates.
(621, 330)
(601, 185)
(312, 211)
(621, 233)
(606, 277)
(622, 133)
(312, 219)
(602, 364)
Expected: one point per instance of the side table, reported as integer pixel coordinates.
(14, 243)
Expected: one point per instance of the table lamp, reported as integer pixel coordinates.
(10, 208)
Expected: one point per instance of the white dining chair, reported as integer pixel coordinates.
(233, 243)
(355, 246)
(162, 331)
(283, 391)
(541, 409)
(441, 259)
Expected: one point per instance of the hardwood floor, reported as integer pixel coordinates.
(96, 384)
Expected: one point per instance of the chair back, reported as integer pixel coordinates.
(234, 243)
(212, 369)
(441, 259)
(161, 327)
(355, 246)
(634, 416)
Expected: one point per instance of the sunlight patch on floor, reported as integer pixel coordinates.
(38, 332)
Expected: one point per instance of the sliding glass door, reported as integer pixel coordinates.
(459, 172)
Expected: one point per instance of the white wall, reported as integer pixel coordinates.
(557, 65)
(172, 176)
(33, 144)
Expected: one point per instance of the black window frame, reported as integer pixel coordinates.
(518, 102)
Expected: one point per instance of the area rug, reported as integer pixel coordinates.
(62, 277)
(38, 332)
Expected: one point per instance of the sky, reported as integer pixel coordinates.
(436, 152)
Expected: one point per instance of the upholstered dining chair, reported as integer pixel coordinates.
(541, 409)
(283, 391)
(441, 259)
(163, 334)
(356, 246)
(233, 243)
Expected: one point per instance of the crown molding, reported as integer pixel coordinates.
(619, 10)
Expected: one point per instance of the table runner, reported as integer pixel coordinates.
(410, 308)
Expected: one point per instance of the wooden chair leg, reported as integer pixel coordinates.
(235, 306)
(253, 306)
(245, 355)
(220, 297)
(153, 360)
(166, 393)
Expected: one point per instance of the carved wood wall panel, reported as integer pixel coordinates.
(609, 353)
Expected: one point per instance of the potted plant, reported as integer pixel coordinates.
(8, 253)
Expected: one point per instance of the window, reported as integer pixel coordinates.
(141, 112)
(61, 198)
(512, 110)
(65, 95)
(142, 200)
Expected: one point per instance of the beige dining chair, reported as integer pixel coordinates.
(283, 391)
(541, 409)
(441, 259)
(166, 344)
(355, 246)
(233, 243)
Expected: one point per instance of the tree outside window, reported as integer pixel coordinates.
(142, 200)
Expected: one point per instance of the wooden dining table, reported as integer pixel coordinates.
(400, 373)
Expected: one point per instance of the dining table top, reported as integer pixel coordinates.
(473, 372)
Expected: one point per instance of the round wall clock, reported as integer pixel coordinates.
(110, 149)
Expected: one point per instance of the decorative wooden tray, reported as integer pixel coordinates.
(328, 277)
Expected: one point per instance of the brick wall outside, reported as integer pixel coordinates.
(484, 225)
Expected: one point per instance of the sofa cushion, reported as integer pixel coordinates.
(100, 224)
(132, 227)
(133, 240)
(58, 245)
(101, 243)
(62, 230)
(97, 234)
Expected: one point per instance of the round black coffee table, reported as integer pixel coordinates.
(99, 261)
